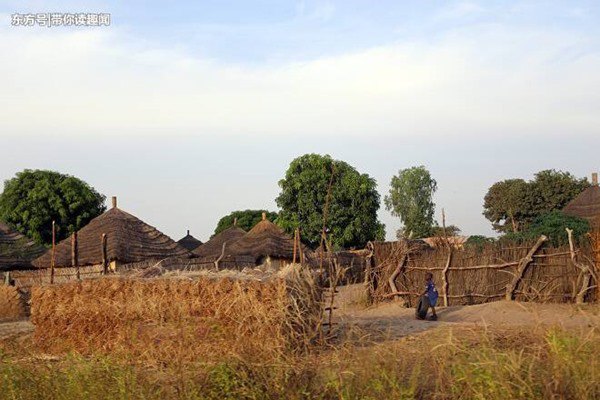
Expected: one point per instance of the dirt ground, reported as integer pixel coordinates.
(394, 321)
(15, 328)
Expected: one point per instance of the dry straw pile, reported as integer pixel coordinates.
(11, 303)
(202, 318)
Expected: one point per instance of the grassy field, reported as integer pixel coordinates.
(444, 363)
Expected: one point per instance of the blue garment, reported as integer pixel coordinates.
(432, 293)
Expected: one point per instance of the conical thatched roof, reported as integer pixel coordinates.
(16, 250)
(189, 242)
(212, 249)
(128, 240)
(265, 240)
(586, 205)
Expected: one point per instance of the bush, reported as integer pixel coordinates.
(553, 225)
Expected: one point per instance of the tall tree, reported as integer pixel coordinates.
(552, 190)
(246, 219)
(411, 199)
(34, 198)
(505, 205)
(512, 205)
(351, 210)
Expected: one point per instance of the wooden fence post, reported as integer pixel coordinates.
(218, 260)
(300, 251)
(75, 254)
(585, 270)
(368, 285)
(53, 261)
(295, 245)
(104, 255)
(399, 269)
(445, 283)
(512, 286)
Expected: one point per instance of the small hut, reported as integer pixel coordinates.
(129, 240)
(267, 244)
(16, 250)
(587, 204)
(189, 242)
(213, 249)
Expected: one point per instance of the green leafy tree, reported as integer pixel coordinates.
(512, 205)
(34, 198)
(411, 199)
(478, 241)
(451, 230)
(505, 205)
(353, 204)
(552, 190)
(553, 225)
(246, 219)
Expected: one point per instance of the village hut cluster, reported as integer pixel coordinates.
(118, 242)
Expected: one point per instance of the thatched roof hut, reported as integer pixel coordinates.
(587, 204)
(266, 241)
(129, 240)
(211, 250)
(189, 242)
(16, 250)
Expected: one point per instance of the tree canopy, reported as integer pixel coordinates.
(478, 242)
(353, 203)
(553, 225)
(512, 205)
(451, 230)
(411, 199)
(34, 198)
(246, 219)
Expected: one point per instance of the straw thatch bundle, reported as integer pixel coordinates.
(16, 250)
(128, 240)
(206, 318)
(12, 305)
(189, 242)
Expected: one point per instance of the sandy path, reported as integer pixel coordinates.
(14, 328)
(392, 320)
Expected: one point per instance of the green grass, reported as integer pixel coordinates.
(441, 364)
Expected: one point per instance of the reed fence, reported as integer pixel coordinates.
(526, 272)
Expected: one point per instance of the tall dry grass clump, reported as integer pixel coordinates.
(180, 318)
(12, 305)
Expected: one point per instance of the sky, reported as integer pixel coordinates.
(189, 110)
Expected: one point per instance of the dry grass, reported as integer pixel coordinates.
(158, 319)
(11, 304)
(441, 364)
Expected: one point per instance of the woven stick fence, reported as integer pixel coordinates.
(526, 272)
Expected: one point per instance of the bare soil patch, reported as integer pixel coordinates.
(392, 320)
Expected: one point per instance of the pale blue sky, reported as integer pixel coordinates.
(190, 110)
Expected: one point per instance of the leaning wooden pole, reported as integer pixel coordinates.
(75, 255)
(53, 261)
(104, 255)
(522, 267)
(445, 283)
(399, 269)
